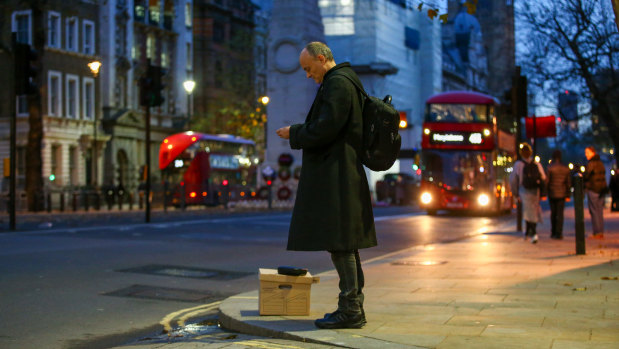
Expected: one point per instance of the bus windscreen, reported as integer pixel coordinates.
(458, 170)
(458, 113)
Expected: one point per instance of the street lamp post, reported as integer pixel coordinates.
(189, 85)
(264, 100)
(94, 68)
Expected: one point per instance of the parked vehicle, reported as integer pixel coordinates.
(397, 188)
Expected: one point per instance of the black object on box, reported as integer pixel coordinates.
(292, 271)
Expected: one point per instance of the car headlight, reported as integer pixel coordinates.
(483, 199)
(426, 198)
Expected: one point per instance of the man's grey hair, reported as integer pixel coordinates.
(316, 48)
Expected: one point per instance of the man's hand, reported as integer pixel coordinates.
(284, 132)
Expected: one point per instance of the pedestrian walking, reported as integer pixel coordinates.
(333, 208)
(595, 185)
(526, 181)
(559, 184)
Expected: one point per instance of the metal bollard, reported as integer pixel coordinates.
(120, 202)
(141, 200)
(62, 202)
(130, 201)
(75, 201)
(49, 202)
(579, 213)
(97, 201)
(183, 203)
(86, 201)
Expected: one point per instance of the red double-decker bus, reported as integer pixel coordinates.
(466, 159)
(200, 168)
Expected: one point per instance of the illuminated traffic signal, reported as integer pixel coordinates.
(25, 69)
(403, 120)
(145, 91)
(225, 182)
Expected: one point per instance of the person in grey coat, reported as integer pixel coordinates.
(333, 208)
(559, 184)
(531, 209)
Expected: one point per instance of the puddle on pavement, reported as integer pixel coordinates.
(207, 330)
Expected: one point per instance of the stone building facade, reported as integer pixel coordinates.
(69, 97)
(123, 35)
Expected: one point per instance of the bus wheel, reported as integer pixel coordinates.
(431, 212)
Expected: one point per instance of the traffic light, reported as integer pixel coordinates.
(152, 86)
(25, 70)
(403, 120)
(156, 75)
(568, 105)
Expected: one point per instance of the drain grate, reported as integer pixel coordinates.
(417, 263)
(186, 272)
(166, 294)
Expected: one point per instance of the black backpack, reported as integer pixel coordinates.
(531, 178)
(381, 123)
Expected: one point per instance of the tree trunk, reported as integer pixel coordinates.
(34, 163)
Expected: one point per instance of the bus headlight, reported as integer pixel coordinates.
(426, 198)
(483, 199)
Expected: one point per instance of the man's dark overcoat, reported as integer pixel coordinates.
(333, 208)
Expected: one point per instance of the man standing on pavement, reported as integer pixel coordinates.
(595, 184)
(333, 208)
(559, 184)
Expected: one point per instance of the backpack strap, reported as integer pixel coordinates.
(354, 83)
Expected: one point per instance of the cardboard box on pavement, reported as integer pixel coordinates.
(284, 294)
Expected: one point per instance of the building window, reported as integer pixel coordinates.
(72, 99)
(88, 98)
(164, 54)
(154, 12)
(189, 57)
(55, 163)
(71, 34)
(338, 17)
(139, 11)
(89, 37)
(20, 167)
(219, 33)
(21, 23)
(218, 74)
(53, 29)
(22, 105)
(151, 46)
(54, 97)
(73, 175)
(188, 14)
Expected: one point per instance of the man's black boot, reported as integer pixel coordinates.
(340, 319)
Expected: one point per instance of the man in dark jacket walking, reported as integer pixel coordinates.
(595, 184)
(333, 208)
(559, 183)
